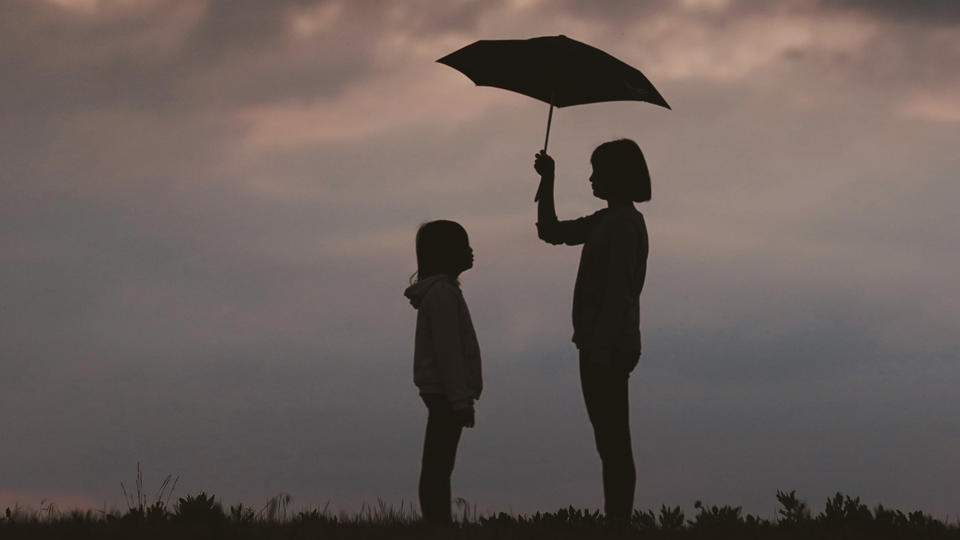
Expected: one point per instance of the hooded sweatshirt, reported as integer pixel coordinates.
(446, 355)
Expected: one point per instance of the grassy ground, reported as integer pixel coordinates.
(202, 516)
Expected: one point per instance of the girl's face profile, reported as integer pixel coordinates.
(465, 257)
(596, 182)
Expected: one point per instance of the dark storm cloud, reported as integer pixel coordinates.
(170, 58)
(925, 11)
(425, 17)
(932, 12)
(611, 10)
(238, 27)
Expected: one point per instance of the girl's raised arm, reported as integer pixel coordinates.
(549, 228)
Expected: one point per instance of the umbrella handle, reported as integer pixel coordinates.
(546, 139)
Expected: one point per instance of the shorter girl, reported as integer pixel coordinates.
(446, 358)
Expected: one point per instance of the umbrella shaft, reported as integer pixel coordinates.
(547, 138)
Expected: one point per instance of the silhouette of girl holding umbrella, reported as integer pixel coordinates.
(613, 261)
(606, 301)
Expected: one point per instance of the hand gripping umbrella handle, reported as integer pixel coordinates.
(546, 140)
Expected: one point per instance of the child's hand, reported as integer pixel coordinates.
(543, 164)
(464, 417)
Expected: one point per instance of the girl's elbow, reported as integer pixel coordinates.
(548, 235)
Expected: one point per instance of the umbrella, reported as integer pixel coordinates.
(554, 69)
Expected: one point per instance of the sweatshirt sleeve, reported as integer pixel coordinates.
(621, 267)
(570, 232)
(443, 305)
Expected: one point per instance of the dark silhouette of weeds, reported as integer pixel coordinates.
(202, 516)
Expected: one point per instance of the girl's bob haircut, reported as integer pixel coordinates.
(440, 244)
(624, 169)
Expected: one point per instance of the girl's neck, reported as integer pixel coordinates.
(619, 203)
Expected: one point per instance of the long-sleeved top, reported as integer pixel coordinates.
(613, 266)
(446, 354)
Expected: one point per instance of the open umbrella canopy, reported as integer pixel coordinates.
(554, 69)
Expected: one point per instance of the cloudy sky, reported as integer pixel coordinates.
(208, 212)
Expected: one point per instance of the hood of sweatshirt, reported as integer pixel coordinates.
(418, 290)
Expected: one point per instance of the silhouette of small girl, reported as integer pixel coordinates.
(606, 300)
(446, 364)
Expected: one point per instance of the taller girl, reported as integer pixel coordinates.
(606, 301)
